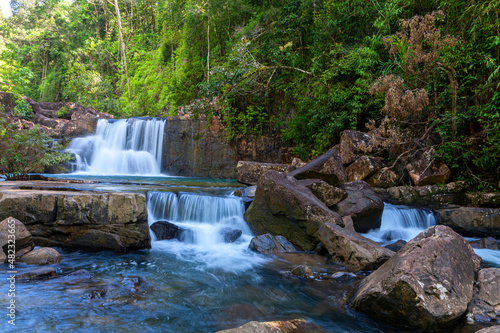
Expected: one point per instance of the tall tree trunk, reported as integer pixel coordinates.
(120, 32)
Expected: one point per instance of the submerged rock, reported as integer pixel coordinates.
(230, 235)
(282, 206)
(77, 277)
(304, 271)
(427, 284)
(485, 305)
(269, 244)
(37, 274)
(352, 250)
(362, 204)
(42, 256)
(291, 326)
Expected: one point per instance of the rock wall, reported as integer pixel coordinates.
(199, 148)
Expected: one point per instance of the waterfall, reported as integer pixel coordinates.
(205, 218)
(401, 222)
(121, 147)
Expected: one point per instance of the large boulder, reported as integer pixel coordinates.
(23, 239)
(42, 256)
(427, 284)
(362, 204)
(80, 125)
(485, 305)
(363, 167)
(383, 178)
(250, 172)
(164, 230)
(230, 235)
(328, 194)
(99, 221)
(327, 167)
(355, 143)
(282, 206)
(352, 250)
(425, 170)
(269, 244)
(471, 221)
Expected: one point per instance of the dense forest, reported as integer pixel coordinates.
(415, 73)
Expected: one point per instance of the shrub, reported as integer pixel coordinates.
(23, 110)
(63, 112)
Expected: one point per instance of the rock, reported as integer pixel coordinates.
(248, 196)
(269, 244)
(238, 193)
(100, 221)
(37, 274)
(383, 178)
(42, 256)
(250, 172)
(165, 230)
(485, 305)
(23, 238)
(3, 257)
(492, 329)
(298, 163)
(425, 195)
(94, 293)
(489, 243)
(327, 167)
(230, 235)
(482, 199)
(424, 170)
(362, 204)
(77, 277)
(471, 221)
(344, 276)
(80, 125)
(328, 194)
(396, 246)
(363, 167)
(291, 326)
(304, 271)
(352, 250)
(355, 143)
(133, 283)
(282, 206)
(427, 284)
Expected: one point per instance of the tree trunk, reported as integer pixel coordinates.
(120, 32)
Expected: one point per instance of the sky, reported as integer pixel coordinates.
(5, 7)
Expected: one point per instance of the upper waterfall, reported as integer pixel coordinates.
(121, 147)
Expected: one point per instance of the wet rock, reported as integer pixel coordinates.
(352, 250)
(94, 293)
(238, 193)
(282, 206)
(425, 170)
(471, 221)
(485, 305)
(100, 221)
(133, 283)
(269, 244)
(230, 235)
(363, 167)
(291, 326)
(492, 329)
(80, 125)
(327, 167)
(396, 246)
(328, 194)
(489, 243)
(362, 204)
(383, 178)
(344, 276)
(355, 143)
(304, 271)
(427, 284)
(248, 195)
(165, 230)
(42, 256)
(250, 172)
(23, 239)
(80, 275)
(37, 274)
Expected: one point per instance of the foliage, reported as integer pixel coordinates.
(63, 111)
(26, 151)
(23, 109)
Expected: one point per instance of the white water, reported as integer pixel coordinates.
(401, 222)
(205, 216)
(122, 147)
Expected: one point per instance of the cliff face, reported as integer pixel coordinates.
(200, 148)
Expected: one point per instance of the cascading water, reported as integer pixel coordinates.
(401, 222)
(205, 217)
(121, 147)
